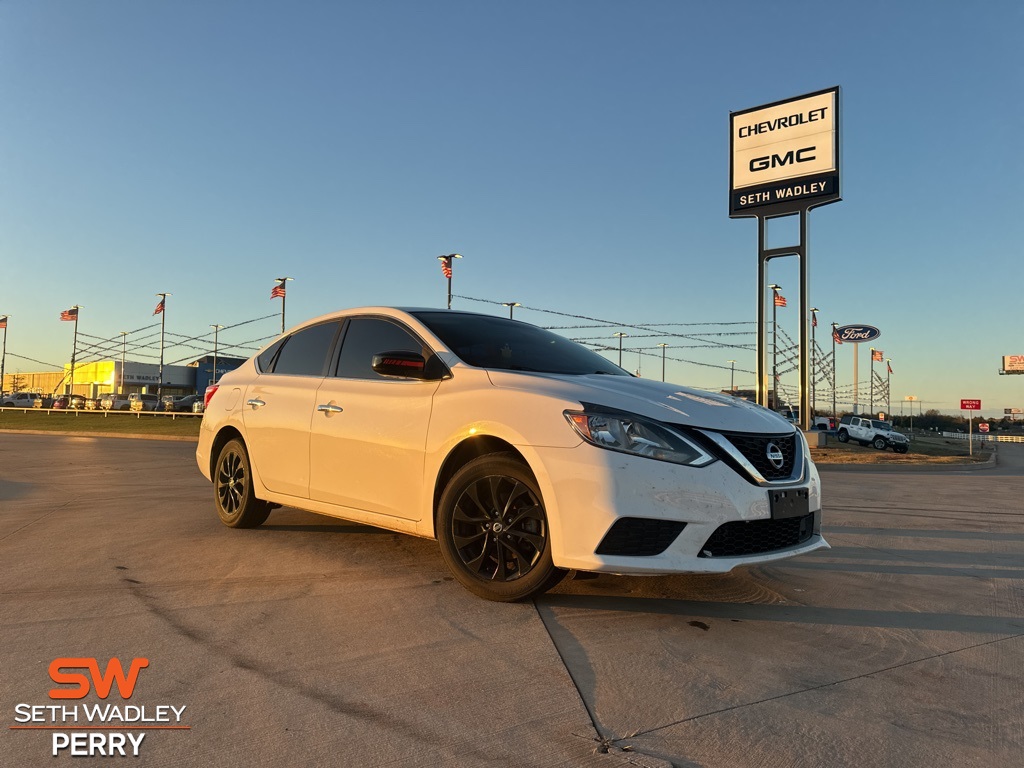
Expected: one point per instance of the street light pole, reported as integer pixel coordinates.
(835, 413)
(663, 346)
(510, 304)
(621, 336)
(216, 328)
(814, 358)
(732, 376)
(775, 345)
(3, 355)
(124, 343)
(888, 391)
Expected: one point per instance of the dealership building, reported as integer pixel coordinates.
(96, 379)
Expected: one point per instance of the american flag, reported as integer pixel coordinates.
(814, 320)
(160, 306)
(3, 322)
(876, 355)
(446, 266)
(889, 367)
(69, 314)
(835, 336)
(277, 292)
(780, 300)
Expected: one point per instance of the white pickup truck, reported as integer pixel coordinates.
(872, 432)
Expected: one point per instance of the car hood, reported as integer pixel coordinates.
(664, 402)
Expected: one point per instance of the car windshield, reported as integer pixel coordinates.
(485, 341)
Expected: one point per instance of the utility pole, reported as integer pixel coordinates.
(663, 346)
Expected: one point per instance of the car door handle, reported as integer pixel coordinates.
(255, 403)
(329, 408)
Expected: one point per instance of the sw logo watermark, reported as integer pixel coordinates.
(98, 729)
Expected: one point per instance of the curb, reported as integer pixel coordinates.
(989, 464)
(126, 436)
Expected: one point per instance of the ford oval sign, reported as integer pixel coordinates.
(855, 334)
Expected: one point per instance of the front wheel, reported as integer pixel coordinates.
(880, 443)
(493, 530)
(237, 505)
(844, 436)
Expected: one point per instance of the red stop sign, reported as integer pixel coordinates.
(983, 426)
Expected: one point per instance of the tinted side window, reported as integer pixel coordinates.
(305, 353)
(263, 362)
(369, 336)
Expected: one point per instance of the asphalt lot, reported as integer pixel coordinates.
(311, 641)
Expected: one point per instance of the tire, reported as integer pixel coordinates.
(880, 443)
(237, 505)
(844, 436)
(508, 564)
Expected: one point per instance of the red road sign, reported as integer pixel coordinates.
(970, 405)
(983, 426)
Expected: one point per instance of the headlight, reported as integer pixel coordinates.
(632, 434)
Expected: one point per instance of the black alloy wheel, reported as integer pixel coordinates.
(493, 530)
(237, 505)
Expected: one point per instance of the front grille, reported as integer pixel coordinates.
(755, 450)
(755, 537)
(639, 537)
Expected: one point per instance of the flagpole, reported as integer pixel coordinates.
(74, 352)
(281, 284)
(447, 261)
(163, 323)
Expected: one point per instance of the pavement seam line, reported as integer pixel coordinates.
(954, 569)
(825, 685)
(599, 737)
(33, 522)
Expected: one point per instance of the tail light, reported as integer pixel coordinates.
(210, 392)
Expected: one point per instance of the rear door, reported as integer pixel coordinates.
(278, 406)
(369, 432)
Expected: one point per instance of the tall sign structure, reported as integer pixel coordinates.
(784, 161)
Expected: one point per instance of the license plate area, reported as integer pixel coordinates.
(792, 502)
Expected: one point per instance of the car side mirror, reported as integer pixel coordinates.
(408, 365)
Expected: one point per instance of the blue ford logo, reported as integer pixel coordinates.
(855, 334)
(775, 456)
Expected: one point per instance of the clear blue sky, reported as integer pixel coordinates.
(575, 153)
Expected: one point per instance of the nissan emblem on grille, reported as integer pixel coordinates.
(775, 456)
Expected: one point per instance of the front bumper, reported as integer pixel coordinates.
(687, 512)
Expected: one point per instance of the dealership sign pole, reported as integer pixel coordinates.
(970, 405)
(783, 161)
(856, 335)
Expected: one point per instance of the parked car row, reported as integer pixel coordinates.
(134, 401)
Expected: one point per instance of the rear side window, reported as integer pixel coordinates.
(305, 353)
(265, 360)
(369, 336)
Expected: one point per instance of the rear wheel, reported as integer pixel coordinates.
(844, 436)
(237, 506)
(880, 443)
(493, 530)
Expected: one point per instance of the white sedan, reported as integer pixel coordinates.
(524, 454)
